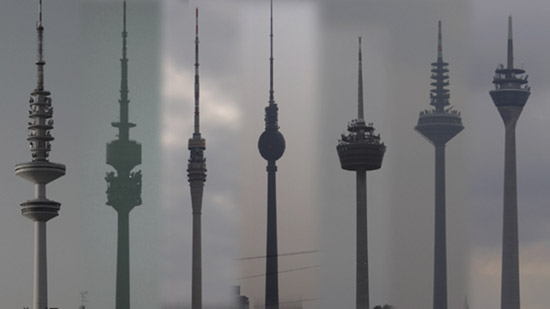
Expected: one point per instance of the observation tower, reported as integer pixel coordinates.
(510, 95)
(40, 171)
(271, 146)
(124, 185)
(360, 150)
(196, 170)
(439, 125)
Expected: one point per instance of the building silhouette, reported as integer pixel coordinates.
(439, 125)
(40, 171)
(360, 150)
(124, 185)
(196, 170)
(510, 95)
(271, 145)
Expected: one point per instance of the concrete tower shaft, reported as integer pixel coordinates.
(124, 185)
(360, 150)
(439, 125)
(40, 171)
(196, 170)
(271, 145)
(510, 95)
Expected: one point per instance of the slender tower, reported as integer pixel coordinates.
(124, 186)
(40, 171)
(272, 146)
(197, 176)
(361, 151)
(510, 95)
(439, 125)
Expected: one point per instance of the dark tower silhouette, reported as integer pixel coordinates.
(510, 95)
(40, 171)
(124, 186)
(197, 176)
(439, 125)
(361, 151)
(272, 146)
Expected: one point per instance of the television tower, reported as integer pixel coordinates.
(40, 171)
(124, 186)
(361, 151)
(510, 95)
(271, 146)
(439, 125)
(197, 176)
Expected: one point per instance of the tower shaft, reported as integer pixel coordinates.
(40, 266)
(440, 242)
(362, 271)
(271, 268)
(510, 292)
(123, 261)
(197, 188)
(196, 290)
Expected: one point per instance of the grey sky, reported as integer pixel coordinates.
(315, 88)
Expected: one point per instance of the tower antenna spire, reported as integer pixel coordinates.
(124, 17)
(271, 91)
(124, 125)
(40, 14)
(197, 85)
(124, 33)
(439, 43)
(510, 44)
(360, 114)
(40, 61)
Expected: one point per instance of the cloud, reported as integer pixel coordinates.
(219, 111)
(534, 272)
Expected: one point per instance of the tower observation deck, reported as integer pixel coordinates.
(510, 95)
(124, 185)
(40, 171)
(439, 125)
(360, 150)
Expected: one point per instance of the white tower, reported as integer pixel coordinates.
(40, 171)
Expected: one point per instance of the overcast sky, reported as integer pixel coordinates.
(315, 88)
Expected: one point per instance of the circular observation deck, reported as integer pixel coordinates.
(271, 145)
(439, 127)
(511, 87)
(40, 209)
(360, 149)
